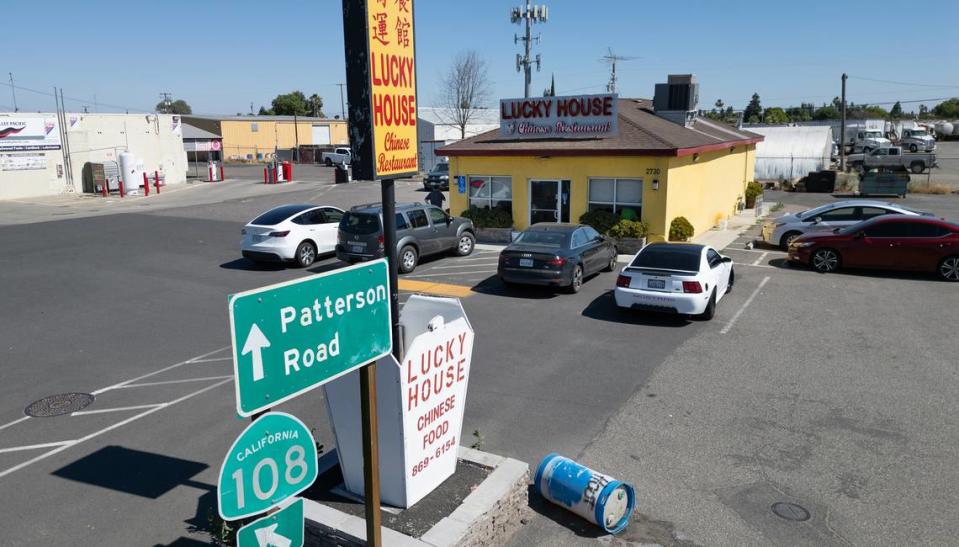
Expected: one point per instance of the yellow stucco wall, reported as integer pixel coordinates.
(699, 190)
(706, 190)
(239, 139)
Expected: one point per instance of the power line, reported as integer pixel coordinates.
(895, 82)
(74, 99)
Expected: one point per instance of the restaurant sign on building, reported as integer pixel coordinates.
(568, 117)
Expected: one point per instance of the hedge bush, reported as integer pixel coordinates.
(753, 191)
(629, 228)
(489, 218)
(602, 221)
(680, 229)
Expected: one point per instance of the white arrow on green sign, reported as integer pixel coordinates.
(274, 458)
(294, 336)
(283, 528)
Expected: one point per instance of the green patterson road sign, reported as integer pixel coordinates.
(274, 458)
(294, 336)
(281, 529)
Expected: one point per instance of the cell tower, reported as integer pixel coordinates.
(611, 59)
(531, 14)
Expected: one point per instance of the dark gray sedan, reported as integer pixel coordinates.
(557, 255)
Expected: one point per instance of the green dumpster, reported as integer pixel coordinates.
(884, 183)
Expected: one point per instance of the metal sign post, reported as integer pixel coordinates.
(380, 48)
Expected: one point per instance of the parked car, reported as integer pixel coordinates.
(783, 230)
(556, 254)
(890, 242)
(291, 232)
(889, 157)
(438, 178)
(421, 230)
(338, 155)
(682, 278)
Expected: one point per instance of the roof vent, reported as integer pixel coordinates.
(677, 99)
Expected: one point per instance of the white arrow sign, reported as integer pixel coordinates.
(267, 537)
(255, 342)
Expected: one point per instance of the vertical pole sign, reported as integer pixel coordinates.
(380, 48)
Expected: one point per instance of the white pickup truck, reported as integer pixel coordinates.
(891, 157)
(338, 155)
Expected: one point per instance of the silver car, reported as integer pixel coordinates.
(783, 230)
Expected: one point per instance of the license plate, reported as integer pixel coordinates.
(656, 284)
(357, 248)
(526, 262)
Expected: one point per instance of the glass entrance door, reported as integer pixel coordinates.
(544, 201)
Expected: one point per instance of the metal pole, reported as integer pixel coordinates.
(13, 91)
(371, 450)
(842, 128)
(529, 39)
(296, 136)
(342, 104)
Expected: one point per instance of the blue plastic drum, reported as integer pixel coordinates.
(598, 498)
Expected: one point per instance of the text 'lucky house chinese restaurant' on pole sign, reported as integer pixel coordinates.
(381, 73)
(569, 117)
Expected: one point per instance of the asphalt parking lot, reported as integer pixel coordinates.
(829, 391)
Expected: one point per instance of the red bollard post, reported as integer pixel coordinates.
(221, 170)
(210, 171)
(266, 176)
(105, 191)
(146, 184)
(156, 180)
(122, 190)
(276, 179)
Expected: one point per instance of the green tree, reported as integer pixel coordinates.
(291, 104)
(316, 106)
(178, 106)
(265, 111)
(827, 112)
(896, 111)
(775, 115)
(947, 109)
(753, 112)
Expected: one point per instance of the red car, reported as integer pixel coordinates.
(887, 242)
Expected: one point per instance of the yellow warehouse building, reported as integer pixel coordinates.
(254, 138)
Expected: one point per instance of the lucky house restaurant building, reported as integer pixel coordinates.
(555, 158)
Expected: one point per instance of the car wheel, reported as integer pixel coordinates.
(329, 162)
(732, 281)
(917, 167)
(825, 260)
(913, 148)
(788, 238)
(949, 268)
(613, 260)
(305, 254)
(710, 310)
(408, 259)
(576, 283)
(464, 247)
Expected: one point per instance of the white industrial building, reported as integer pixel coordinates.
(792, 152)
(33, 156)
(436, 128)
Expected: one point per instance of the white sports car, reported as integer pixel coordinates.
(291, 232)
(681, 278)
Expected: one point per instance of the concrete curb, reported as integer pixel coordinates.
(487, 516)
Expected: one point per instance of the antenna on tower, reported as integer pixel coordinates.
(167, 101)
(611, 59)
(530, 14)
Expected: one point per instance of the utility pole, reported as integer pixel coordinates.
(842, 127)
(342, 107)
(531, 14)
(13, 91)
(251, 108)
(611, 59)
(167, 102)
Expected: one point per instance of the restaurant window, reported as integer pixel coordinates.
(622, 197)
(491, 192)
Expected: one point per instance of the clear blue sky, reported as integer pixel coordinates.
(220, 56)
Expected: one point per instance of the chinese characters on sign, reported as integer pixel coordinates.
(571, 117)
(392, 69)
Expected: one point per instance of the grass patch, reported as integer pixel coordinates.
(927, 187)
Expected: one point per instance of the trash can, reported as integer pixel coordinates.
(287, 171)
(342, 173)
(598, 498)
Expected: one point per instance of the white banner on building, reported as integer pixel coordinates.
(28, 133)
(23, 162)
(568, 117)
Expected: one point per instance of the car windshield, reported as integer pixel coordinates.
(543, 238)
(668, 257)
(278, 215)
(873, 134)
(441, 168)
(360, 223)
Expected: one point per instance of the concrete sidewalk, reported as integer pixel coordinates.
(721, 238)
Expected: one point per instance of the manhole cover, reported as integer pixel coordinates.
(790, 511)
(58, 405)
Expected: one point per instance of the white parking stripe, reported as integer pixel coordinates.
(447, 274)
(182, 381)
(36, 446)
(211, 360)
(116, 409)
(758, 266)
(107, 429)
(742, 308)
(760, 259)
(15, 422)
(164, 369)
(461, 266)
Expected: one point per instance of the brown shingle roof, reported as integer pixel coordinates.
(641, 133)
